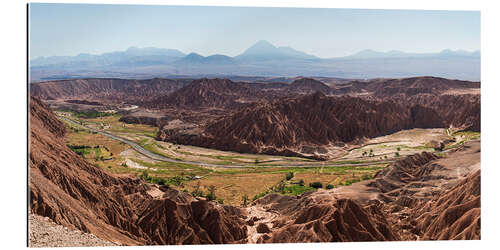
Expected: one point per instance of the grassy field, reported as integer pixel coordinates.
(108, 148)
(258, 174)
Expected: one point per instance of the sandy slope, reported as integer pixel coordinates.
(43, 232)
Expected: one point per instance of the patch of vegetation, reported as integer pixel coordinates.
(329, 186)
(80, 149)
(142, 142)
(366, 177)
(467, 134)
(153, 179)
(316, 184)
(260, 195)
(289, 176)
(295, 189)
(90, 114)
(211, 193)
(301, 182)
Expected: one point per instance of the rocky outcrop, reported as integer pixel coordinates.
(461, 112)
(310, 218)
(410, 169)
(455, 214)
(288, 125)
(308, 86)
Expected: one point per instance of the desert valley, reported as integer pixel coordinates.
(257, 159)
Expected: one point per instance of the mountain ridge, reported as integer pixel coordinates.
(261, 59)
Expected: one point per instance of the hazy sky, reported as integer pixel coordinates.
(70, 29)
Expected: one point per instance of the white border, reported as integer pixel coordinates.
(13, 143)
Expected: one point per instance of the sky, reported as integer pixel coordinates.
(70, 29)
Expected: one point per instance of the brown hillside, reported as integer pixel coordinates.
(105, 89)
(284, 126)
(210, 93)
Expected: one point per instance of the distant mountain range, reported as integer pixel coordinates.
(370, 54)
(261, 59)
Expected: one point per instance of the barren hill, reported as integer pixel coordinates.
(208, 93)
(105, 89)
(318, 120)
(407, 86)
(308, 86)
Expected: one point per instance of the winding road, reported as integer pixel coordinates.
(158, 157)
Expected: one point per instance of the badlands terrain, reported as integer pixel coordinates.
(202, 161)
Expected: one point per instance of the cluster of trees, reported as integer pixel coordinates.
(91, 114)
(197, 192)
(371, 154)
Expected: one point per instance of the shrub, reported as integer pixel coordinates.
(366, 177)
(316, 184)
(159, 181)
(301, 182)
(210, 196)
(245, 200)
(280, 188)
(176, 180)
(329, 186)
(289, 176)
(211, 193)
(220, 201)
(197, 192)
(144, 175)
(396, 154)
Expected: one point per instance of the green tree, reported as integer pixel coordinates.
(316, 184)
(301, 182)
(211, 193)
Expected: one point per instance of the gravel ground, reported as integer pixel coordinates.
(43, 232)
